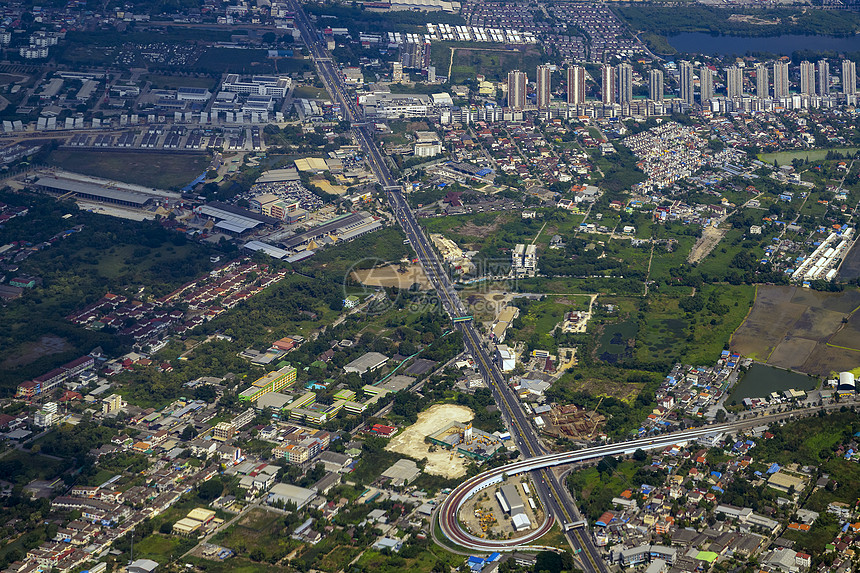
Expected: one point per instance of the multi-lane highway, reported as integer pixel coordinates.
(556, 500)
(550, 491)
(448, 510)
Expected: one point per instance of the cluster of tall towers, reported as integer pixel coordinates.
(814, 80)
(616, 82)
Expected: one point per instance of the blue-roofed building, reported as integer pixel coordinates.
(477, 564)
(773, 469)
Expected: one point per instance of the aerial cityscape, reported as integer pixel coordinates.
(429, 286)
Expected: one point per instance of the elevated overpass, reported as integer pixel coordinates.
(449, 509)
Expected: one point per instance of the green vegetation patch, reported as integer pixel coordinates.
(311, 92)
(162, 548)
(159, 170)
(538, 319)
(21, 468)
(692, 329)
(595, 487)
(493, 63)
(260, 534)
(786, 157)
(670, 20)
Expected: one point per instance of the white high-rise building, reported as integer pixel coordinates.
(807, 78)
(823, 78)
(607, 83)
(625, 83)
(849, 77)
(517, 89)
(734, 82)
(687, 83)
(780, 79)
(544, 81)
(761, 81)
(655, 85)
(706, 84)
(575, 85)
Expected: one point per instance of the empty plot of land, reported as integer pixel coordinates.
(792, 352)
(799, 329)
(411, 442)
(771, 317)
(391, 276)
(32, 351)
(161, 170)
(710, 238)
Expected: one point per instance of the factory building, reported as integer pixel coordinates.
(512, 503)
(466, 440)
(847, 385)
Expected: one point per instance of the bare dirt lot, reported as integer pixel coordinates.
(411, 441)
(801, 329)
(391, 276)
(470, 229)
(32, 351)
(710, 238)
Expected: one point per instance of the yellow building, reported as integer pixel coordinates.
(270, 382)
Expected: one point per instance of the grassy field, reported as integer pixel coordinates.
(125, 261)
(600, 380)
(310, 92)
(259, 534)
(785, 157)
(161, 170)
(162, 548)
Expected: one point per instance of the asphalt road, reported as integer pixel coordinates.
(550, 490)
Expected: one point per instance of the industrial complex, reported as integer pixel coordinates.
(466, 440)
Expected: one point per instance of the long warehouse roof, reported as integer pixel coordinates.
(68, 185)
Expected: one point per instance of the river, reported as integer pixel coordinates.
(702, 43)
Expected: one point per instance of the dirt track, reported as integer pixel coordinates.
(411, 441)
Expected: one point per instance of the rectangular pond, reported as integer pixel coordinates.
(760, 380)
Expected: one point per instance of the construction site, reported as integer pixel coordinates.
(452, 254)
(486, 515)
(571, 422)
(466, 441)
